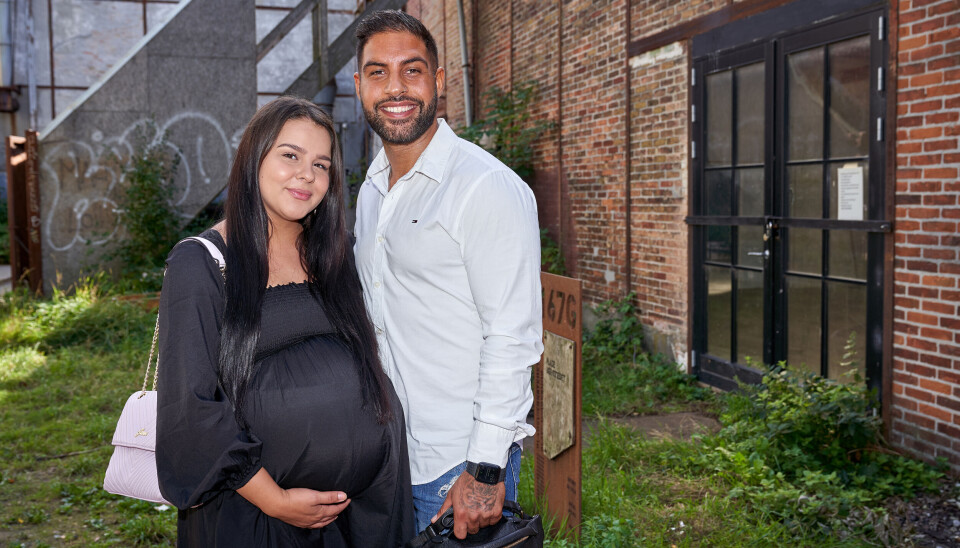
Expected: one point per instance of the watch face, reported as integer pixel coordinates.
(487, 473)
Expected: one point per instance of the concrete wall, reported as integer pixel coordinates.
(195, 77)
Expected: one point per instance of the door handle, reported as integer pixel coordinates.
(763, 253)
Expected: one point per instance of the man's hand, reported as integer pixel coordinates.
(475, 504)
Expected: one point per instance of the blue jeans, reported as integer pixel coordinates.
(429, 497)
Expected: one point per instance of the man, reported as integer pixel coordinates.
(448, 251)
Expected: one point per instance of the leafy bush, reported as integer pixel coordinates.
(805, 449)
(620, 378)
(507, 131)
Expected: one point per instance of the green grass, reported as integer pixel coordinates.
(67, 364)
(639, 492)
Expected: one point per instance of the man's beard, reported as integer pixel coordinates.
(407, 132)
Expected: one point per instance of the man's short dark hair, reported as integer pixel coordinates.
(395, 21)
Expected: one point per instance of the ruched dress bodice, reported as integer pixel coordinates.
(305, 421)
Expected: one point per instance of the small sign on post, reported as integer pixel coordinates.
(557, 393)
(23, 210)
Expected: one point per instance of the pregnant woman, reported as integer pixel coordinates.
(276, 423)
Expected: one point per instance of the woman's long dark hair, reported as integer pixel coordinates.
(325, 254)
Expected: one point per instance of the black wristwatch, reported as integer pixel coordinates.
(486, 472)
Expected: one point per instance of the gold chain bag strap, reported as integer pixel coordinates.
(132, 471)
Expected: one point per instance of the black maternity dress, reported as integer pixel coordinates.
(306, 425)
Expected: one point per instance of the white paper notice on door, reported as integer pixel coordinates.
(850, 194)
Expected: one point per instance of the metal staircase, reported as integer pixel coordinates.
(189, 83)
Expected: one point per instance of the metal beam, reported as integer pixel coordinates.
(337, 55)
(283, 28)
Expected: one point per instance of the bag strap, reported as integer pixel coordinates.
(222, 266)
(444, 525)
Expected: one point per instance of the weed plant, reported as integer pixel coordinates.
(620, 378)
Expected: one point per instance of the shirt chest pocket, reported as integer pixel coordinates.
(421, 247)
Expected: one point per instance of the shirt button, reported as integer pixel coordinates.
(380, 239)
(379, 331)
(376, 284)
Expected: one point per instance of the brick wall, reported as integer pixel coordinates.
(658, 174)
(926, 378)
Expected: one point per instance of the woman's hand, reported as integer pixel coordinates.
(308, 508)
(299, 507)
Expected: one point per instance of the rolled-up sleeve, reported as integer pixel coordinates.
(500, 242)
(201, 449)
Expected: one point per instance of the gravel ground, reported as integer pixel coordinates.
(931, 520)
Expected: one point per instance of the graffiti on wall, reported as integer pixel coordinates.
(84, 177)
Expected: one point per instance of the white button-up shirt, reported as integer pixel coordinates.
(450, 264)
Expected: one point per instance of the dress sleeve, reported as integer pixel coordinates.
(201, 449)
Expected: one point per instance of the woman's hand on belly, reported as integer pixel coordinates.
(297, 506)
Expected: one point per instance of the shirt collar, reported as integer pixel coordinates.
(431, 163)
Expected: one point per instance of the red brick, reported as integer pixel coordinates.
(935, 438)
(948, 402)
(925, 159)
(926, 106)
(922, 266)
(932, 411)
(935, 226)
(926, 53)
(905, 403)
(921, 344)
(933, 333)
(950, 323)
(941, 118)
(940, 253)
(940, 199)
(952, 377)
(926, 132)
(919, 419)
(935, 386)
(939, 308)
(925, 292)
(943, 144)
(921, 371)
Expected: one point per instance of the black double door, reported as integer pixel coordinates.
(788, 201)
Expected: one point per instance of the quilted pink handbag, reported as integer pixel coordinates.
(132, 471)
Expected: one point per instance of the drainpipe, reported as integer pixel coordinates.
(467, 107)
(25, 9)
(6, 44)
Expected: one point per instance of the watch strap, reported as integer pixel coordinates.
(485, 472)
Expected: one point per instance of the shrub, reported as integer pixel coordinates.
(551, 256)
(807, 450)
(508, 131)
(152, 222)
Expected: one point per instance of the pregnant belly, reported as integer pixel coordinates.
(305, 406)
